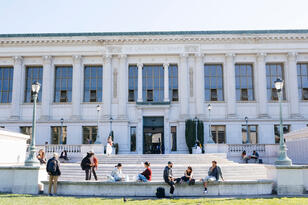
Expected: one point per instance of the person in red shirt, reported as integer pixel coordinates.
(146, 175)
(94, 163)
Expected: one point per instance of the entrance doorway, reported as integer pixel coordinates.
(153, 135)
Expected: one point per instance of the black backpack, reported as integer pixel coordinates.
(160, 192)
(83, 163)
(52, 166)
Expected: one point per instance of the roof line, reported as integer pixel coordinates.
(147, 33)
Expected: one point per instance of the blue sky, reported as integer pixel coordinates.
(41, 16)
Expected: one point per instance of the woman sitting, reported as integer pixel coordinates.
(244, 156)
(116, 174)
(41, 156)
(188, 176)
(146, 175)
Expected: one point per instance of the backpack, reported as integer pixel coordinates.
(160, 192)
(52, 166)
(192, 182)
(83, 163)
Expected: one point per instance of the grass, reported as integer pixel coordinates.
(15, 199)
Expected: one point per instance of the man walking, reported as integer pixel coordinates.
(53, 170)
(86, 165)
(213, 175)
(168, 177)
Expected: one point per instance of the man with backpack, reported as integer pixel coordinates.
(53, 170)
(86, 165)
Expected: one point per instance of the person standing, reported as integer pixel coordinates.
(86, 165)
(109, 146)
(146, 175)
(94, 162)
(168, 178)
(213, 175)
(53, 170)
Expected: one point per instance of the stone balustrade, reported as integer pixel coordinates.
(247, 147)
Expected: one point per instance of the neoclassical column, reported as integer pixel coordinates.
(47, 90)
(140, 66)
(77, 86)
(183, 85)
(292, 85)
(123, 78)
(17, 88)
(166, 82)
(230, 87)
(262, 92)
(107, 85)
(199, 84)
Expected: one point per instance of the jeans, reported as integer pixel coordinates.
(88, 173)
(94, 173)
(53, 180)
(142, 178)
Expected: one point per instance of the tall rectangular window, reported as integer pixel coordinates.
(274, 71)
(56, 135)
(132, 83)
(93, 79)
(219, 134)
(173, 138)
(302, 79)
(63, 84)
(133, 139)
(213, 82)
(153, 83)
(252, 134)
(33, 73)
(285, 130)
(89, 134)
(6, 84)
(244, 82)
(173, 83)
(27, 130)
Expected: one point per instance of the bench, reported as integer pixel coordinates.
(133, 189)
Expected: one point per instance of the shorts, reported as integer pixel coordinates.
(209, 179)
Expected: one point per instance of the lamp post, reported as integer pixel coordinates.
(196, 129)
(247, 132)
(98, 139)
(32, 160)
(210, 139)
(61, 131)
(111, 134)
(283, 159)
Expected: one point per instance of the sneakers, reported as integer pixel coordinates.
(205, 191)
(171, 196)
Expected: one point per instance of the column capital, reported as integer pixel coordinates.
(139, 65)
(47, 59)
(122, 56)
(17, 59)
(199, 55)
(292, 55)
(166, 65)
(107, 58)
(77, 58)
(261, 55)
(230, 55)
(183, 55)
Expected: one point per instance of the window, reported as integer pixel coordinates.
(219, 134)
(56, 135)
(63, 84)
(285, 129)
(6, 84)
(133, 139)
(26, 130)
(93, 83)
(173, 83)
(89, 134)
(153, 83)
(302, 78)
(244, 82)
(132, 83)
(213, 82)
(173, 138)
(274, 71)
(252, 133)
(33, 74)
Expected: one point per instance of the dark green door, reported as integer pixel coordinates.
(153, 135)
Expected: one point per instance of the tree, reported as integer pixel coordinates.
(190, 133)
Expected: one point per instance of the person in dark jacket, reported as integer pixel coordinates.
(168, 177)
(213, 175)
(188, 175)
(53, 170)
(87, 165)
(146, 175)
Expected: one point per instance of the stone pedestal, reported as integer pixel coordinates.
(290, 180)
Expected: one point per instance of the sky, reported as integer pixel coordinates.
(62, 16)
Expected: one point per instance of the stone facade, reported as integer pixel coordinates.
(188, 50)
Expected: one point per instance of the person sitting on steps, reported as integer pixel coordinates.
(169, 179)
(188, 176)
(244, 156)
(213, 175)
(146, 175)
(117, 175)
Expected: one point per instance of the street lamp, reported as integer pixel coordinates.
(32, 160)
(61, 131)
(196, 129)
(282, 158)
(111, 134)
(210, 139)
(98, 139)
(247, 132)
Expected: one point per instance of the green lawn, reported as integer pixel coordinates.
(14, 199)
